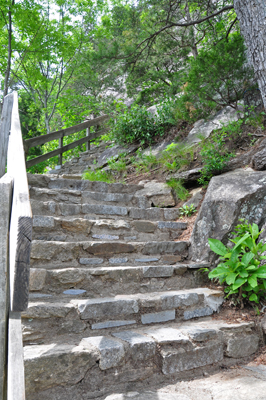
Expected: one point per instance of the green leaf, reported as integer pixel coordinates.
(253, 297)
(261, 271)
(243, 274)
(235, 254)
(217, 246)
(239, 282)
(261, 275)
(249, 243)
(247, 257)
(231, 278)
(246, 236)
(255, 231)
(264, 284)
(252, 280)
(251, 268)
(263, 248)
(218, 271)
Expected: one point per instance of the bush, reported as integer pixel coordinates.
(220, 75)
(138, 125)
(240, 270)
(214, 153)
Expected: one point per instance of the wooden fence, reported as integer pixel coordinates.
(15, 245)
(36, 141)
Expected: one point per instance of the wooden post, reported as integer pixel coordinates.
(5, 207)
(60, 155)
(21, 217)
(4, 131)
(88, 147)
(15, 372)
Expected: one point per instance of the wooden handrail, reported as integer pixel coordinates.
(21, 216)
(36, 141)
(16, 242)
(63, 149)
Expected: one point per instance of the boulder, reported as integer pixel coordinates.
(197, 196)
(205, 128)
(187, 176)
(114, 152)
(231, 196)
(159, 194)
(259, 160)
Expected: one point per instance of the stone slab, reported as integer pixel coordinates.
(118, 260)
(159, 271)
(54, 365)
(112, 324)
(100, 308)
(41, 221)
(91, 261)
(178, 360)
(179, 300)
(161, 316)
(111, 351)
(242, 346)
(165, 336)
(140, 347)
(199, 312)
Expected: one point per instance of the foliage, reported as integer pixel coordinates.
(138, 125)
(181, 192)
(97, 175)
(219, 75)
(240, 270)
(118, 164)
(213, 152)
(187, 210)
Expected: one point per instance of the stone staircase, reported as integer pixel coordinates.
(114, 301)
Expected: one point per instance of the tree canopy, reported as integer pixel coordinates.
(74, 58)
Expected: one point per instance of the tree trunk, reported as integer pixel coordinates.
(252, 18)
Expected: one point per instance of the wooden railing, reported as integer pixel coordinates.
(15, 246)
(36, 141)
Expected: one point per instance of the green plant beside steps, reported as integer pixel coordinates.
(240, 269)
(98, 175)
(187, 211)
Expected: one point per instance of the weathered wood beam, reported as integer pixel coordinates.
(21, 217)
(15, 369)
(63, 132)
(6, 183)
(62, 150)
(4, 131)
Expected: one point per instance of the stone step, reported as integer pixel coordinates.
(113, 280)
(56, 254)
(51, 182)
(111, 363)
(88, 197)
(80, 229)
(48, 317)
(100, 211)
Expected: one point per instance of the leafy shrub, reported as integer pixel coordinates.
(138, 125)
(187, 210)
(240, 270)
(98, 175)
(213, 152)
(219, 75)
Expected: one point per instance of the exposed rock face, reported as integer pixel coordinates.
(259, 160)
(231, 196)
(223, 117)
